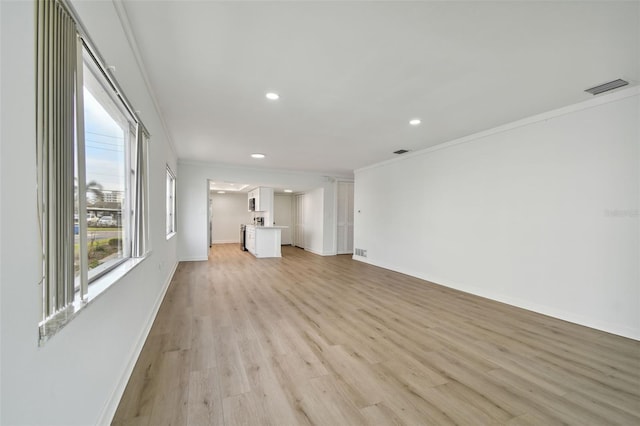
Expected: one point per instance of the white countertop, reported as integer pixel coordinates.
(268, 227)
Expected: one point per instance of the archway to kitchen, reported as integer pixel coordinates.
(232, 211)
(229, 210)
(196, 206)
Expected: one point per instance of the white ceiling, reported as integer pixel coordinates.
(229, 186)
(351, 74)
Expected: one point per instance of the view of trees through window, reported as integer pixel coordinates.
(106, 141)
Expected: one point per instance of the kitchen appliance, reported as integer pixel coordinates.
(260, 221)
(243, 233)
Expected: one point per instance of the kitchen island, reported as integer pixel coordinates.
(264, 241)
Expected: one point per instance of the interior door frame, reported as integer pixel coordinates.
(348, 225)
(295, 206)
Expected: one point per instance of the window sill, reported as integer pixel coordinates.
(171, 235)
(56, 322)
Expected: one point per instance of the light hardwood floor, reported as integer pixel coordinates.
(329, 341)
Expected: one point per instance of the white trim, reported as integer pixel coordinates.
(123, 17)
(517, 302)
(81, 158)
(226, 241)
(591, 103)
(194, 259)
(318, 252)
(170, 196)
(334, 233)
(109, 410)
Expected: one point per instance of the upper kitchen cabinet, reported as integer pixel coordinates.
(261, 199)
(252, 199)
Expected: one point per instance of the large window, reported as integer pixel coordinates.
(171, 203)
(109, 135)
(91, 170)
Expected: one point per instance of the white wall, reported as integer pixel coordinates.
(193, 198)
(229, 211)
(541, 214)
(313, 221)
(77, 377)
(330, 218)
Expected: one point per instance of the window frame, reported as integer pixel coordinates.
(112, 105)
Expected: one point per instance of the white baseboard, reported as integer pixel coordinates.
(319, 253)
(109, 410)
(226, 241)
(194, 259)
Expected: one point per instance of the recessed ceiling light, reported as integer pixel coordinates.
(415, 121)
(221, 192)
(288, 190)
(257, 155)
(272, 96)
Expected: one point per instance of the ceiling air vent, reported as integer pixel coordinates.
(607, 86)
(400, 151)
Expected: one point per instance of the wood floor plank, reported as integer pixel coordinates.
(171, 398)
(409, 403)
(380, 415)
(413, 372)
(607, 409)
(561, 408)
(244, 410)
(302, 362)
(264, 384)
(233, 377)
(205, 401)
(326, 402)
(314, 340)
(132, 421)
(460, 395)
(202, 348)
(357, 373)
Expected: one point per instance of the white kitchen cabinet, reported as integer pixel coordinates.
(253, 194)
(263, 199)
(264, 241)
(266, 200)
(250, 239)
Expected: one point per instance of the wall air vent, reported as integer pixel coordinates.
(607, 86)
(400, 151)
(361, 252)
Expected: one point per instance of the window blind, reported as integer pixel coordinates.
(55, 81)
(139, 243)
